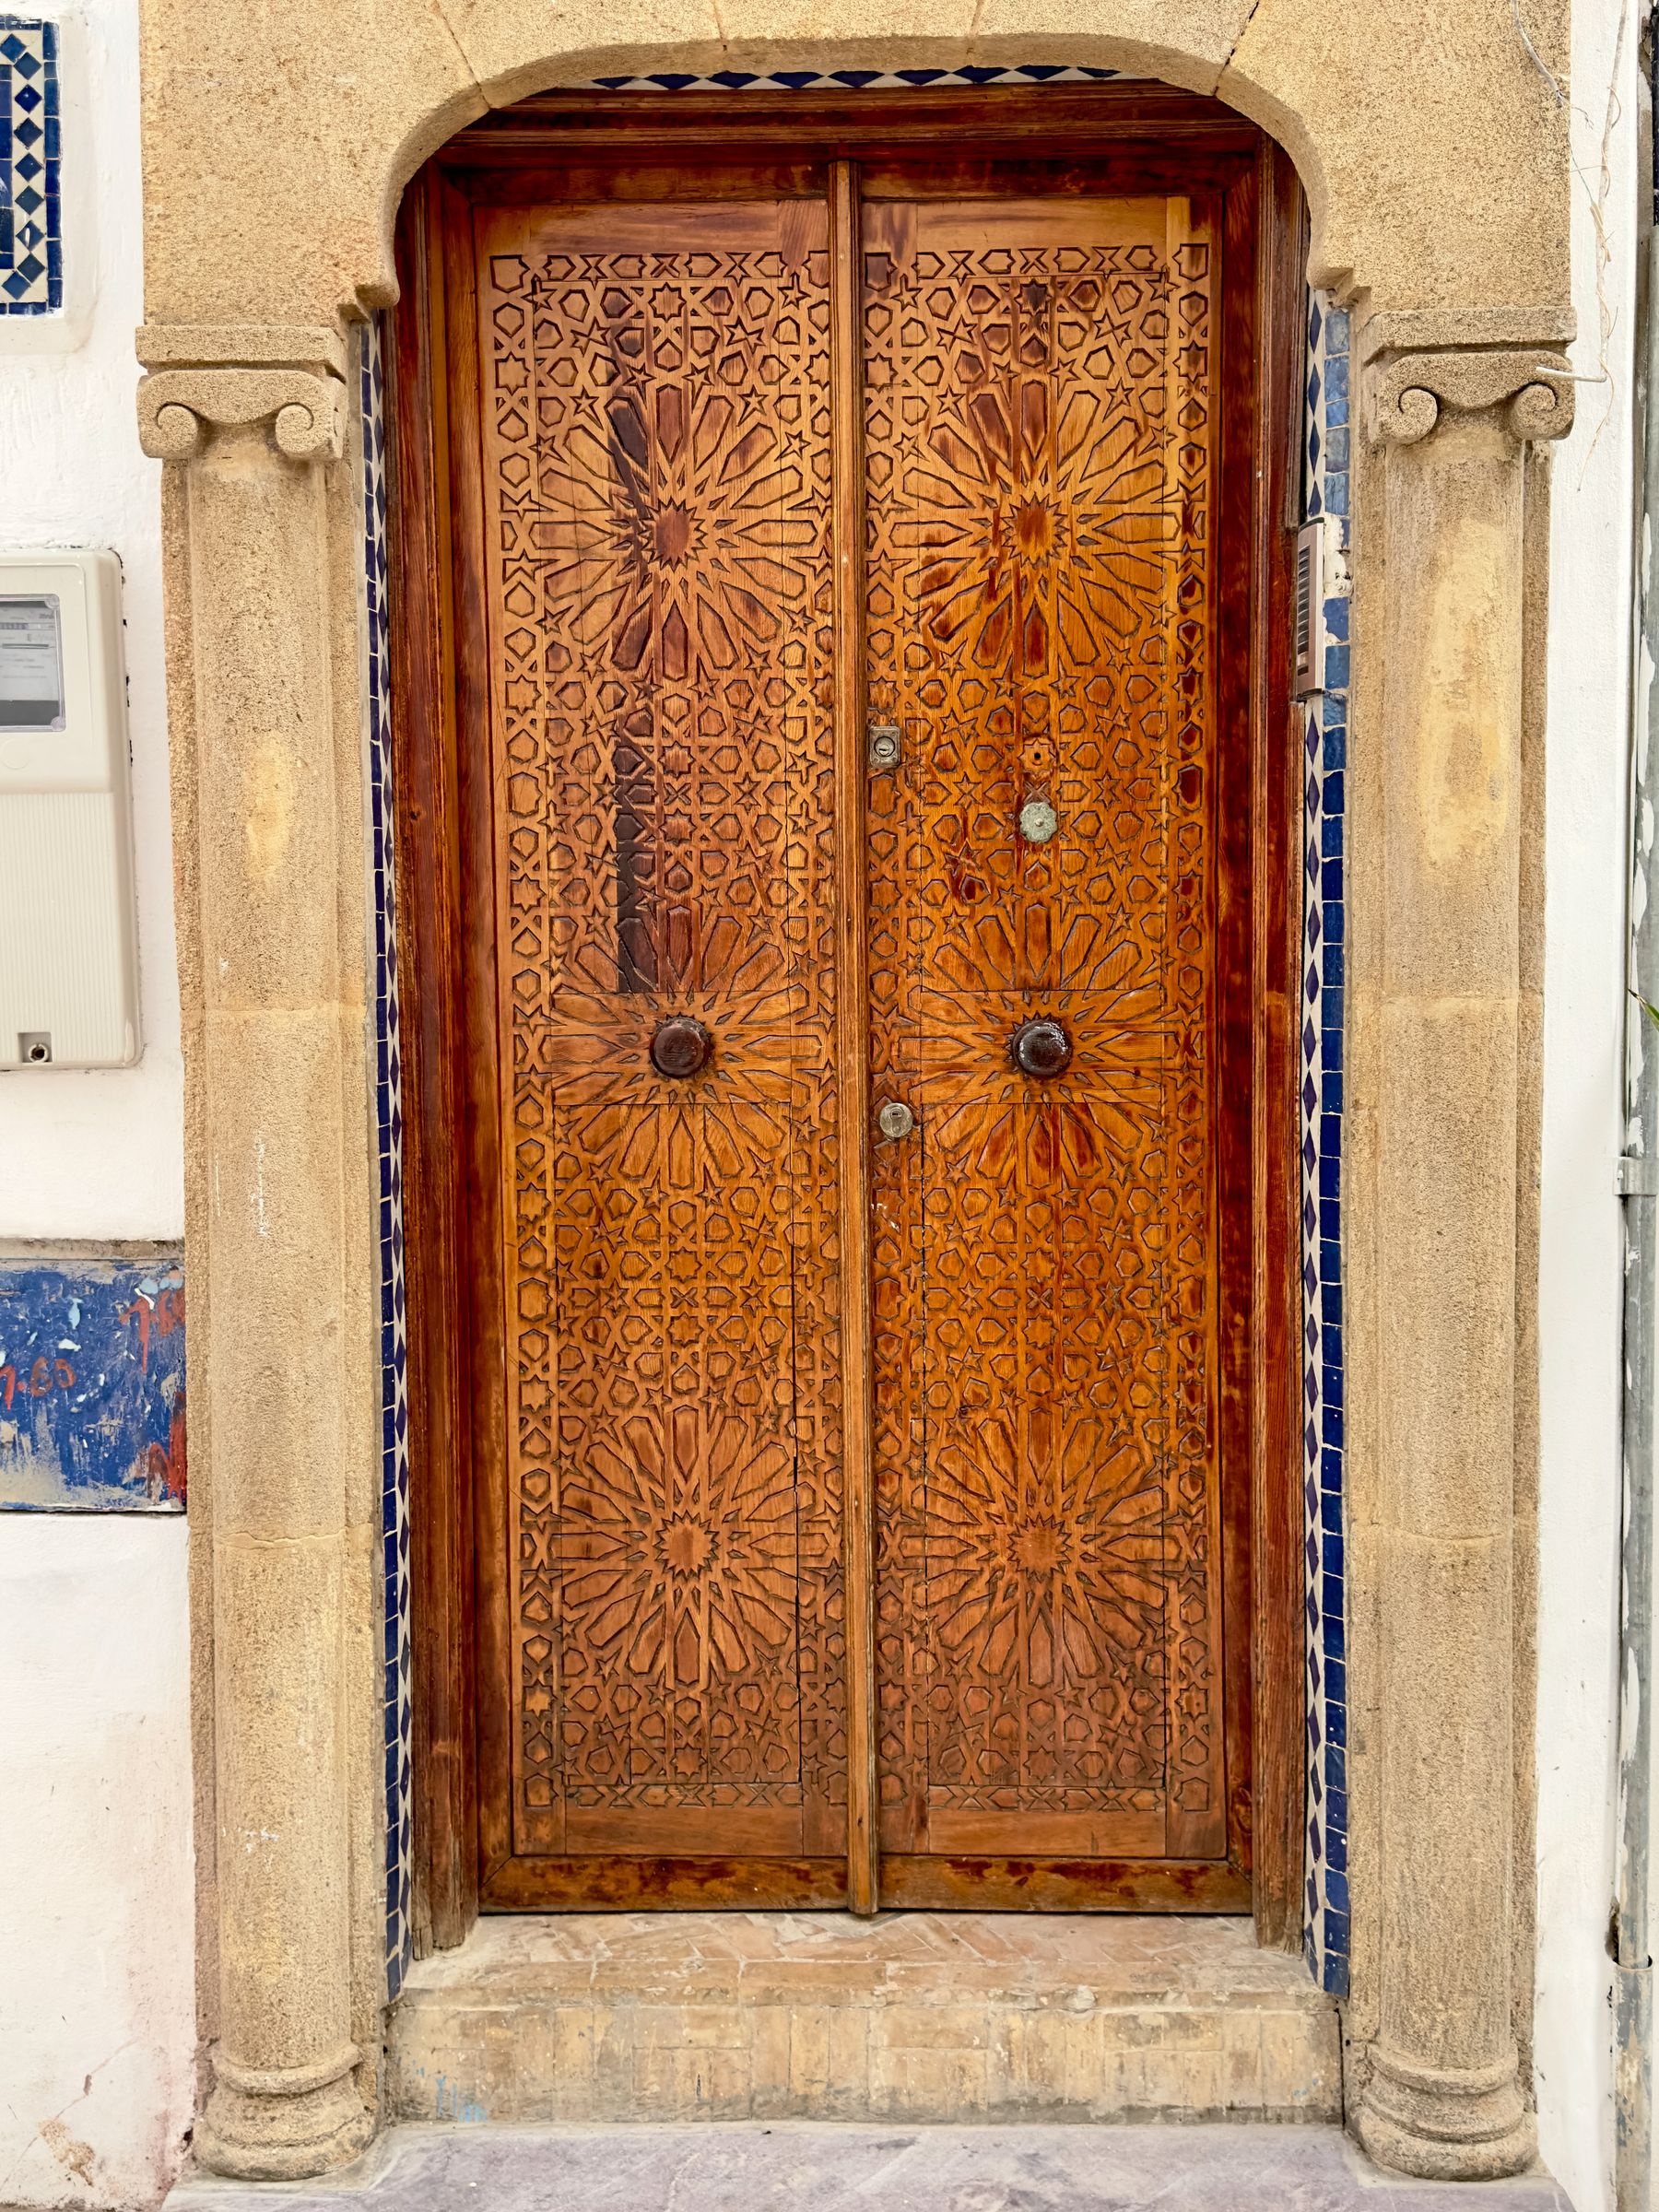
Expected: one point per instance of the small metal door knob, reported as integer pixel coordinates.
(1041, 1047)
(680, 1046)
(895, 1118)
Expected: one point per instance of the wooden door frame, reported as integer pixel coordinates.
(456, 1364)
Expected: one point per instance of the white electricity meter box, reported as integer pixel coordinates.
(68, 934)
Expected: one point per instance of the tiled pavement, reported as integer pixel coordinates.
(817, 2168)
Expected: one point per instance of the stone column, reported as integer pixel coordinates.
(1442, 2095)
(251, 421)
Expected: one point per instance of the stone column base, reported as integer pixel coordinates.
(283, 2123)
(1446, 2123)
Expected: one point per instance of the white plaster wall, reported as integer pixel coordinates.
(97, 2044)
(100, 1153)
(97, 2026)
(1580, 1303)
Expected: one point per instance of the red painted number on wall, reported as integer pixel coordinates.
(157, 1319)
(40, 1381)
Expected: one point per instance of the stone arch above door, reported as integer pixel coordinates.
(1432, 146)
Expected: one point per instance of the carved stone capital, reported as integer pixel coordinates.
(1529, 387)
(180, 408)
(247, 346)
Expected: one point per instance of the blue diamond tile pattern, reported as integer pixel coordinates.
(31, 221)
(374, 629)
(1325, 717)
(858, 80)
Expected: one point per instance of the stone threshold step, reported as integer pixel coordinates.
(792, 2167)
(929, 2018)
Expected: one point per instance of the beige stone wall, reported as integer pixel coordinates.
(1431, 137)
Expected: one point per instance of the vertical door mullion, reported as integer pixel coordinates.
(852, 1032)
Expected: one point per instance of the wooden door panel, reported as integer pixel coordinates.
(670, 398)
(656, 465)
(588, 1732)
(1041, 462)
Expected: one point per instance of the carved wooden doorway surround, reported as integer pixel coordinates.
(843, 736)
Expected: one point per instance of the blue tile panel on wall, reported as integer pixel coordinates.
(92, 1385)
(1325, 943)
(388, 1114)
(31, 225)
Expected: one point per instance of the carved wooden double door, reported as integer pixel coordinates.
(849, 571)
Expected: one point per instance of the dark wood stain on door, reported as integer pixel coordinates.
(762, 453)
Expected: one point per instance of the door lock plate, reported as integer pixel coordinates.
(885, 745)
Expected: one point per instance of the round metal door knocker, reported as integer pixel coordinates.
(1041, 1047)
(895, 1119)
(680, 1046)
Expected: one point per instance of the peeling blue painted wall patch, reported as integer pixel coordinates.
(92, 1385)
